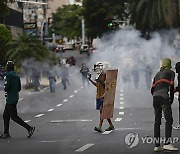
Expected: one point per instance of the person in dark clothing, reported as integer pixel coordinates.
(84, 71)
(177, 89)
(64, 76)
(12, 88)
(52, 81)
(135, 75)
(148, 76)
(35, 78)
(163, 84)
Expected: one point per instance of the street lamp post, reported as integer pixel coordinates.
(83, 30)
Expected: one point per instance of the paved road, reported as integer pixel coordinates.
(65, 120)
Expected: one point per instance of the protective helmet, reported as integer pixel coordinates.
(177, 67)
(10, 66)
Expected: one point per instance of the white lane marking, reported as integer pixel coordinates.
(134, 128)
(51, 141)
(75, 91)
(107, 132)
(27, 121)
(121, 103)
(121, 107)
(85, 147)
(21, 99)
(50, 110)
(39, 115)
(71, 96)
(121, 98)
(65, 100)
(81, 87)
(59, 105)
(121, 90)
(121, 113)
(121, 94)
(71, 120)
(118, 119)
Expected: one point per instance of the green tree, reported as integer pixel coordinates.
(4, 7)
(101, 14)
(152, 15)
(5, 37)
(67, 21)
(26, 47)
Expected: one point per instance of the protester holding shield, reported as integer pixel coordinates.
(100, 82)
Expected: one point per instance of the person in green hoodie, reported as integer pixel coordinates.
(12, 87)
(163, 96)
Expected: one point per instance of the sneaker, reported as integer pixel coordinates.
(177, 127)
(157, 149)
(110, 128)
(31, 132)
(170, 147)
(4, 136)
(97, 129)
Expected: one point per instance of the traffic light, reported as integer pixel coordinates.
(110, 24)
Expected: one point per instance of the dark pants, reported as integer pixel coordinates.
(10, 111)
(161, 104)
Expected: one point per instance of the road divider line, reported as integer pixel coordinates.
(85, 147)
(121, 113)
(121, 107)
(121, 90)
(107, 132)
(118, 119)
(50, 110)
(39, 115)
(71, 120)
(21, 99)
(27, 121)
(65, 100)
(121, 98)
(59, 105)
(75, 91)
(71, 96)
(121, 103)
(121, 94)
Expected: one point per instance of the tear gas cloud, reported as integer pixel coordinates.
(127, 51)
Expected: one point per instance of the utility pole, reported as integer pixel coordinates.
(83, 30)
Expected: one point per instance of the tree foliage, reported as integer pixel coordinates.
(67, 21)
(4, 7)
(151, 15)
(99, 13)
(28, 47)
(5, 37)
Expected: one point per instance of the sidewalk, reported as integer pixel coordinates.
(44, 82)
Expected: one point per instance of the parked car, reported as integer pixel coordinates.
(68, 46)
(84, 48)
(59, 48)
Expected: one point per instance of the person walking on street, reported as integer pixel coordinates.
(64, 76)
(52, 80)
(84, 71)
(148, 76)
(100, 84)
(177, 89)
(163, 96)
(12, 88)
